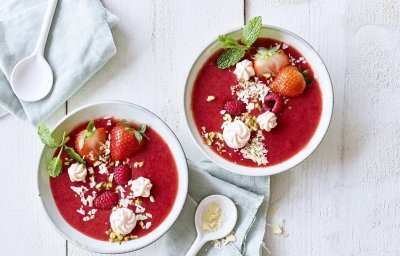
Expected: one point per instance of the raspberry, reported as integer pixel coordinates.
(273, 102)
(122, 174)
(106, 200)
(234, 107)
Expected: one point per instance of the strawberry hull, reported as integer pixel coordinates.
(297, 120)
(159, 166)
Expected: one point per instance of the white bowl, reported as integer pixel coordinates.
(321, 75)
(133, 113)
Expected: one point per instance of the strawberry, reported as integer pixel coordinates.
(234, 107)
(269, 61)
(289, 82)
(273, 102)
(125, 141)
(122, 174)
(88, 142)
(106, 200)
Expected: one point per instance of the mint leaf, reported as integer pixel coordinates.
(251, 31)
(230, 57)
(55, 167)
(45, 136)
(227, 42)
(71, 152)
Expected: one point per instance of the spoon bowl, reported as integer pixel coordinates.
(229, 218)
(32, 78)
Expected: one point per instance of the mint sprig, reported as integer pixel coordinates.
(54, 168)
(235, 51)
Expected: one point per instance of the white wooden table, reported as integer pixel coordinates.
(343, 200)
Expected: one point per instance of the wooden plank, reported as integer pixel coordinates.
(334, 200)
(24, 224)
(157, 41)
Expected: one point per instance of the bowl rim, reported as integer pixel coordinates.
(179, 206)
(246, 170)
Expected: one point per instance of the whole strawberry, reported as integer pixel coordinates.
(125, 140)
(122, 174)
(235, 107)
(106, 200)
(289, 82)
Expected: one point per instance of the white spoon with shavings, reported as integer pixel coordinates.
(215, 218)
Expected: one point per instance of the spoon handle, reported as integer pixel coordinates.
(44, 31)
(196, 246)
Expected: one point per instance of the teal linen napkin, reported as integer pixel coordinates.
(79, 44)
(251, 196)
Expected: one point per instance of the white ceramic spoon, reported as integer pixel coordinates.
(32, 78)
(230, 217)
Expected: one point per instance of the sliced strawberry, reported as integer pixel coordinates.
(125, 141)
(106, 200)
(269, 61)
(289, 82)
(88, 143)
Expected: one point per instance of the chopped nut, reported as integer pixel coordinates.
(109, 185)
(138, 164)
(210, 98)
(138, 201)
(266, 75)
(99, 185)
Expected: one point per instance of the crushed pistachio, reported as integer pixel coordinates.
(138, 201)
(99, 185)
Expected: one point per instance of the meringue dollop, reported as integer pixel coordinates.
(236, 134)
(123, 221)
(267, 121)
(77, 172)
(141, 187)
(244, 70)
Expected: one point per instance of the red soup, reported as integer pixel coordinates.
(222, 96)
(146, 182)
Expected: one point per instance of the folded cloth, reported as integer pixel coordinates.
(251, 196)
(79, 44)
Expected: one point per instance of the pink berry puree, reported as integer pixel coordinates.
(297, 121)
(158, 165)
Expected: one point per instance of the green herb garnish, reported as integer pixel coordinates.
(45, 136)
(75, 156)
(235, 50)
(55, 166)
